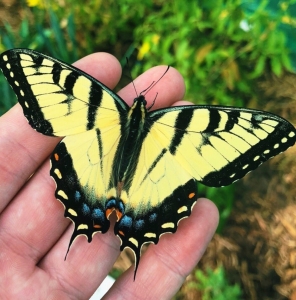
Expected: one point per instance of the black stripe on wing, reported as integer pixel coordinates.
(13, 71)
(182, 122)
(281, 137)
(11, 65)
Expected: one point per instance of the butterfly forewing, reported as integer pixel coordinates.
(219, 145)
(59, 99)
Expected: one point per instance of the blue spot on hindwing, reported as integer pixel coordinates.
(111, 203)
(85, 209)
(98, 214)
(139, 224)
(126, 221)
(152, 217)
(121, 207)
(77, 196)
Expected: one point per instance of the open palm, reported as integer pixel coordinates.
(34, 235)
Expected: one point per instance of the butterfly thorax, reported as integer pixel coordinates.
(130, 143)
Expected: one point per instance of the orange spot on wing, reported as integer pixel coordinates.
(191, 195)
(97, 226)
(118, 215)
(121, 232)
(56, 156)
(109, 212)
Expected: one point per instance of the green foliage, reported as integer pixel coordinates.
(214, 285)
(52, 39)
(219, 48)
(223, 198)
(8, 98)
(104, 25)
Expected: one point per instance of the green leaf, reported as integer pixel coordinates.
(259, 67)
(276, 66)
(286, 61)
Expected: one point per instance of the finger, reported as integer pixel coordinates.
(164, 267)
(169, 89)
(96, 258)
(183, 102)
(22, 148)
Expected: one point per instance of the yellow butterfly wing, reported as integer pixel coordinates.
(182, 145)
(59, 99)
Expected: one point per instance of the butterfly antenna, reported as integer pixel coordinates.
(148, 108)
(154, 83)
(148, 88)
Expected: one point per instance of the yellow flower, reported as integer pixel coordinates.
(224, 13)
(143, 50)
(32, 3)
(284, 6)
(155, 39)
(288, 20)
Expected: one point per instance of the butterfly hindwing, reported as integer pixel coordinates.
(80, 166)
(137, 228)
(143, 166)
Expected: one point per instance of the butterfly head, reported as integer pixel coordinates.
(140, 100)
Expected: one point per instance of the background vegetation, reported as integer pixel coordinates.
(222, 48)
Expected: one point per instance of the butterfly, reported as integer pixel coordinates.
(140, 164)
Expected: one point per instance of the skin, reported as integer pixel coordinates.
(34, 234)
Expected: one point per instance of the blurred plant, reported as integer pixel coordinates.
(224, 199)
(213, 285)
(56, 39)
(219, 48)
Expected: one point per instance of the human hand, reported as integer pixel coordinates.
(34, 235)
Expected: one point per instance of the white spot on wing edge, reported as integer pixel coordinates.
(134, 241)
(168, 225)
(82, 226)
(182, 209)
(284, 140)
(150, 235)
(72, 212)
(62, 194)
(58, 173)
